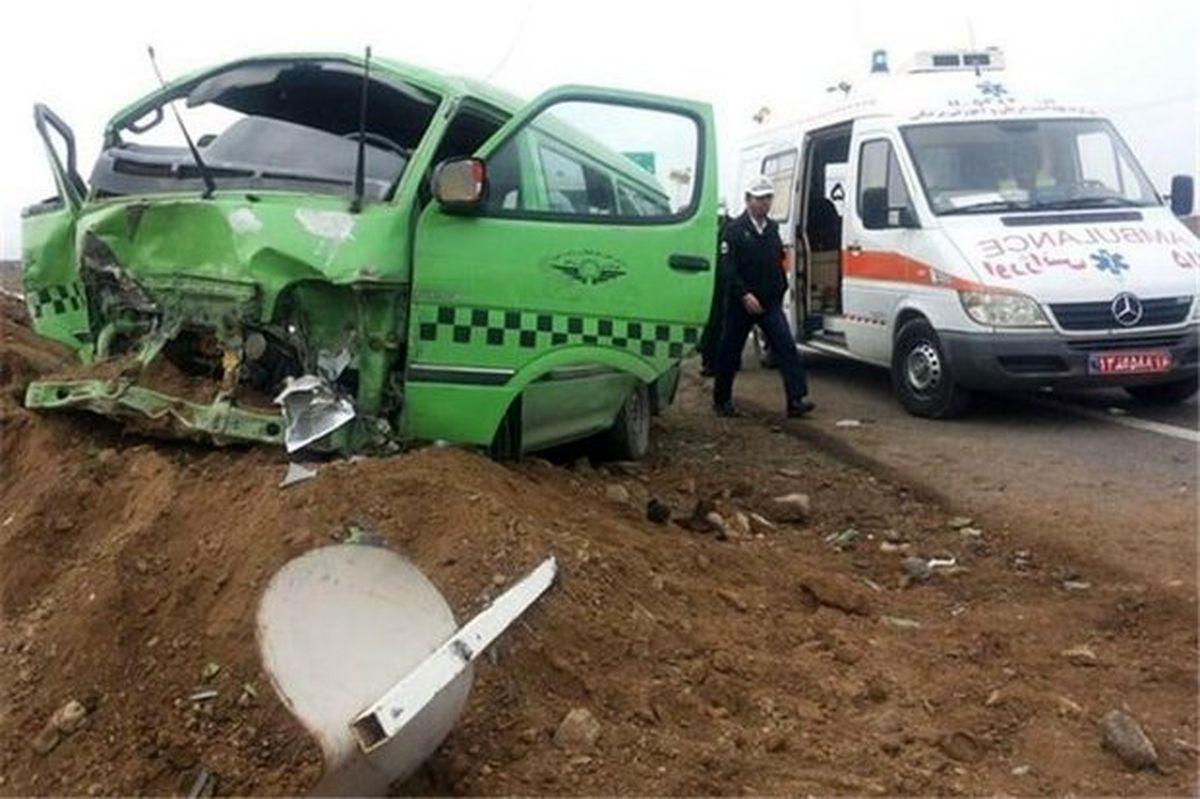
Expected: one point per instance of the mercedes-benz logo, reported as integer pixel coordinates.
(1127, 309)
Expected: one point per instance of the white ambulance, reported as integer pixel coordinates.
(970, 237)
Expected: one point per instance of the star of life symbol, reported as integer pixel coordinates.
(1107, 261)
(992, 89)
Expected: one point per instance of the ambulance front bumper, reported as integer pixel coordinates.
(1049, 359)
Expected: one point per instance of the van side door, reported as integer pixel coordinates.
(52, 291)
(592, 249)
(882, 233)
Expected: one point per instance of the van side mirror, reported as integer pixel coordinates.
(460, 184)
(1183, 195)
(878, 215)
(874, 208)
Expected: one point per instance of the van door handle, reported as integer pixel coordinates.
(688, 263)
(855, 248)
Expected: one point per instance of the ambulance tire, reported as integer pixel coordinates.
(1165, 393)
(506, 444)
(921, 376)
(629, 437)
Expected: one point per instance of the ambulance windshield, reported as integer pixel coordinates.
(984, 167)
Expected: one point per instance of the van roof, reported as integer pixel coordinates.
(959, 96)
(442, 84)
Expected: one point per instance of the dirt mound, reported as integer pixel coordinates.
(784, 658)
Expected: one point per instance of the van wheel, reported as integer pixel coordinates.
(921, 375)
(629, 437)
(1165, 393)
(506, 444)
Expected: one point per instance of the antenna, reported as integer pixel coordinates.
(360, 166)
(210, 186)
(971, 43)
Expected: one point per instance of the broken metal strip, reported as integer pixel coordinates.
(403, 701)
(123, 398)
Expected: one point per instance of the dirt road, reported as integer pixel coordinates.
(803, 654)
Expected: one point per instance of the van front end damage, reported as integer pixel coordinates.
(228, 320)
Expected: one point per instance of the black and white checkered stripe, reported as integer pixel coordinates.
(55, 300)
(533, 330)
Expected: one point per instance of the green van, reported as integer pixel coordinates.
(353, 254)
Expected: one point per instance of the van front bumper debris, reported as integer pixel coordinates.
(1049, 359)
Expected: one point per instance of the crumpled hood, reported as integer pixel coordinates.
(1081, 256)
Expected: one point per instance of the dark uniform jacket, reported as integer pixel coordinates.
(752, 261)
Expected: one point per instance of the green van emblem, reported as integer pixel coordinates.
(589, 267)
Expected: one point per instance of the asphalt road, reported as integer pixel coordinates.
(1093, 473)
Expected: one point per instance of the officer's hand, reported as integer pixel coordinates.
(751, 304)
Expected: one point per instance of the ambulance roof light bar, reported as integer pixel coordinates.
(990, 59)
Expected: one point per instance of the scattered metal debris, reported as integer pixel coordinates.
(297, 473)
(312, 410)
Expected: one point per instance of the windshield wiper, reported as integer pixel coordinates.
(1086, 202)
(990, 205)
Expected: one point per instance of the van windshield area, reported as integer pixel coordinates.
(985, 167)
(290, 125)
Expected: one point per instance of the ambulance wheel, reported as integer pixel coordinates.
(1165, 393)
(629, 437)
(921, 375)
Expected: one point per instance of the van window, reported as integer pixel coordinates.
(594, 160)
(780, 169)
(985, 167)
(881, 184)
(573, 186)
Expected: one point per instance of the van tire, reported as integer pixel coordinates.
(506, 443)
(1165, 393)
(629, 437)
(921, 375)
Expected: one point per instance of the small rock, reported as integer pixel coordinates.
(733, 600)
(916, 569)
(848, 423)
(900, 623)
(760, 524)
(845, 539)
(210, 670)
(1081, 655)
(970, 532)
(1076, 585)
(45, 741)
(688, 486)
(1123, 735)
(579, 729)
(836, 591)
(69, 717)
(1068, 707)
(1021, 771)
(790, 472)
(617, 493)
(776, 743)
(658, 511)
(994, 698)
(959, 522)
(793, 507)
(717, 524)
(499, 580)
(962, 747)
(889, 547)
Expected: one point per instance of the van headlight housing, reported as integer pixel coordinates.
(1002, 309)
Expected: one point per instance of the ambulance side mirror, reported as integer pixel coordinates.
(1183, 195)
(460, 184)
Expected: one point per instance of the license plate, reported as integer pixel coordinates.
(1130, 362)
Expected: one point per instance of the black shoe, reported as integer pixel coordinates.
(726, 409)
(800, 408)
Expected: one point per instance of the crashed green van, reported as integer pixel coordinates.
(359, 253)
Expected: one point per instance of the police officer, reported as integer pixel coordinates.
(752, 262)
